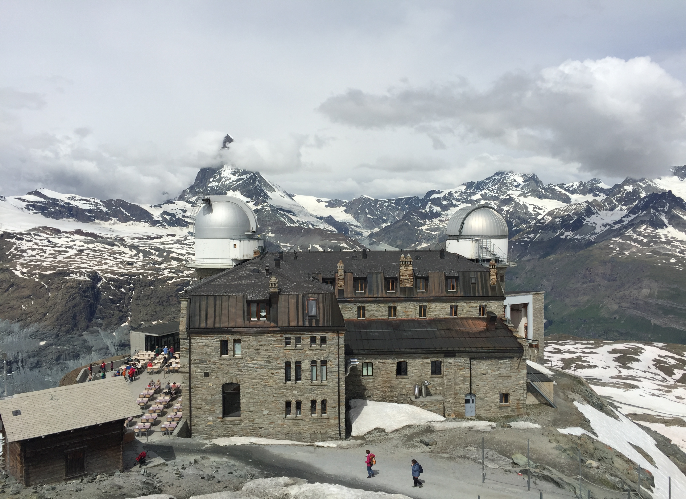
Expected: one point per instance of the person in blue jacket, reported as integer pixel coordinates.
(416, 470)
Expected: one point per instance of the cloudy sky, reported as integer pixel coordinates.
(337, 99)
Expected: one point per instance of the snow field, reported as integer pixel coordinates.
(368, 415)
(620, 434)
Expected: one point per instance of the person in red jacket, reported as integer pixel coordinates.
(371, 461)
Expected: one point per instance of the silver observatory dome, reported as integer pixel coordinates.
(224, 217)
(477, 221)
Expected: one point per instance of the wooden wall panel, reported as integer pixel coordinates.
(224, 320)
(210, 310)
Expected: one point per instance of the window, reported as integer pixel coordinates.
(206, 374)
(312, 307)
(453, 310)
(313, 341)
(367, 369)
(288, 408)
(298, 371)
(313, 370)
(323, 407)
(236, 348)
(288, 370)
(313, 407)
(401, 368)
(420, 283)
(298, 342)
(436, 368)
(482, 310)
(360, 285)
(392, 312)
(287, 340)
(323, 370)
(258, 311)
(298, 408)
(234, 245)
(223, 347)
(391, 285)
(451, 284)
(422, 311)
(505, 398)
(231, 400)
(75, 462)
(322, 341)
(360, 312)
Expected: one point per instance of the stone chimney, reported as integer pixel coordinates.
(256, 252)
(494, 273)
(406, 272)
(441, 254)
(273, 285)
(277, 263)
(340, 275)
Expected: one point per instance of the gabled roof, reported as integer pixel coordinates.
(460, 336)
(65, 408)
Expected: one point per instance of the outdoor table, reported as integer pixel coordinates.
(149, 393)
(151, 418)
(168, 428)
(178, 416)
(157, 408)
(177, 407)
(141, 401)
(142, 426)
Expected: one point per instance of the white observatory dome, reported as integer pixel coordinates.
(477, 221)
(478, 233)
(225, 233)
(224, 217)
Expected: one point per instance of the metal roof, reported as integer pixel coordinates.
(387, 262)
(65, 408)
(477, 221)
(463, 336)
(158, 329)
(252, 279)
(224, 217)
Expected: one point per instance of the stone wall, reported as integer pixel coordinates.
(260, 371)
(539, 323)
(410, 309)
(490, 378)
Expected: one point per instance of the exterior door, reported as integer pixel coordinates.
(75, 462)
(470, 405)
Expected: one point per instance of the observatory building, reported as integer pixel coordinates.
(478, 233)
(225, 235)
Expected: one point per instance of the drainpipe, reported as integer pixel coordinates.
(338, 336)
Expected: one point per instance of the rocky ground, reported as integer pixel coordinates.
(183, 468)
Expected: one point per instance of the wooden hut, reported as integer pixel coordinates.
(61, 433)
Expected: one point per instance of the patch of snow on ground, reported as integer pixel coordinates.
(540, 368)
(677, 434)
(574, 430)
(227, 441)
(621, 434)
(470, 425)
(524, 425)
(367, 415)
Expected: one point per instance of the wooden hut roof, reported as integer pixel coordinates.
(65, 408)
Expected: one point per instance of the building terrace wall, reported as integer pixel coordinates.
(260, 371)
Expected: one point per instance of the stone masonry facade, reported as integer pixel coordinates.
(260, 371)
(410, 309)
(490, 379)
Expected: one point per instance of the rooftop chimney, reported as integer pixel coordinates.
(277, 263)
(441, 254)
(273, 285)
(491, 320)
(266, 270)
(364, 253)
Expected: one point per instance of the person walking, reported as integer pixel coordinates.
(371, 461)
(416, 471)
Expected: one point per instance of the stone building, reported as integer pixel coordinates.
(456, 358)
(276, 345)
(264, 347)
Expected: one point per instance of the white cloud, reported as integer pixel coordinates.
(608, 116)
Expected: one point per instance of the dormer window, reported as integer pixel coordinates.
(451, 284)
(420, 283)
(259, 311)
(391, 285)
(312, 307)
(360, 285)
